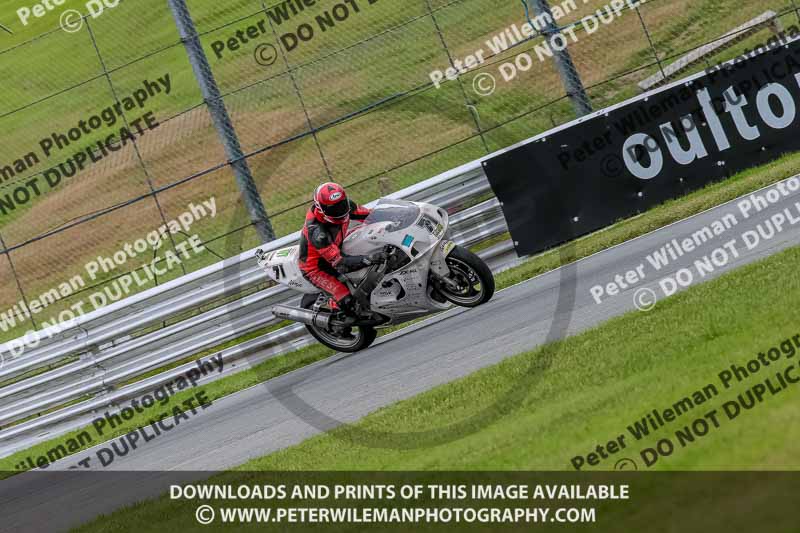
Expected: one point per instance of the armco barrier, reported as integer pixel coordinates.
(110, 347)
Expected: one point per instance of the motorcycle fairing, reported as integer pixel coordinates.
(415, 229)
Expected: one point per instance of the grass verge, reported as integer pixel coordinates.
(567, 397)
(660, 216)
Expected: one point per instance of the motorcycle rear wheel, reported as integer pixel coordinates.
(360, 338)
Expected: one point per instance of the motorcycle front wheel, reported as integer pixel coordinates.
(351, 340)
(474, 281)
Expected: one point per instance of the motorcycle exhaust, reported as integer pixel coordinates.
(304, 316)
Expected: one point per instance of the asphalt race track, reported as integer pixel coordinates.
(295, 406)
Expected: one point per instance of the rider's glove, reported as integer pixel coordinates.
(378, 257)
(349, 263)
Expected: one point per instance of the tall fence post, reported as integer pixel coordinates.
(17, 281)
(652, 45)
(222, 121)
(796, 9)
(470, 105)
(566, 68)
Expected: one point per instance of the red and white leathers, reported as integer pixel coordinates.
(320, 249)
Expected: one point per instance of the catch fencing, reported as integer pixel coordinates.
(106, 134)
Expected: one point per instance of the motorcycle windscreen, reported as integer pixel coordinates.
(400, 213)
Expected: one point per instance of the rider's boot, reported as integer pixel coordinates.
(347, 307)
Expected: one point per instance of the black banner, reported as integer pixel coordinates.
(560, 502)
(625, 159)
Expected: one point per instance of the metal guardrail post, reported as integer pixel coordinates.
(222, 121)
(566, 68)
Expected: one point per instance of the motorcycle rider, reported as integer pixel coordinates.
(321, 259)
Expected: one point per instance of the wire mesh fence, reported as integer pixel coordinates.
(106, 135)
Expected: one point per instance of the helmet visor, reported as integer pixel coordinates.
(338, 210)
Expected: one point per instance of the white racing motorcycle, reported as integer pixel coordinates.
(423, 272)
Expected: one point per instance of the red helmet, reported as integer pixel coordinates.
(331, 203)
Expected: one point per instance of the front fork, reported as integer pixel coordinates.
(439, 269)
